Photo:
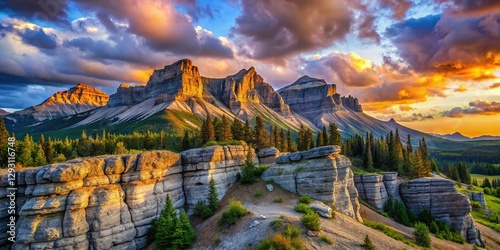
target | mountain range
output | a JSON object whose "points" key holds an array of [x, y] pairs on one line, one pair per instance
{"points": [[457, 136], [178, 97]]}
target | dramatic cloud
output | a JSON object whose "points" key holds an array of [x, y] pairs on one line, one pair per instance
{"points": [[494, 85], [398, 7], [472, 7], [348, 69], [55, 12], [39, 38], [280, 28], [405, 108], [465, 49], [478, 107]]}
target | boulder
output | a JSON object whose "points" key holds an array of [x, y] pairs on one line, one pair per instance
{"points": [[319, 152], [326, 178], [376, 189], [444, 202], [268, 155], [322, 209]]}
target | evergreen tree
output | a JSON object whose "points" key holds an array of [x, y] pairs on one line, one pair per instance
{"points": [[409, 148], [301, 138], [290, 145], [209, 133], [369, 160], [237, 129], [276, 138], [368, 244], [185, 141], [28, 148], [271, 136], [309, 139], [4, 137], [84, 135], [218, 132], [165, 226], [260, 134], [248, 134], [319, 139], [421, 234], [425, 154], [463, 173], [335, 138], [486, 183], [324, 133], [48, 148], [120, 148], [184, 233], [283, 144], [39, 159], [226, 129], [213, 197], [454, 174]]}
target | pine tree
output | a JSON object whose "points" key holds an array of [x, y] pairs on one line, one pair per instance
{"points": [[237, 129], [421, 234], [185, 141], [324, 133], [4, 137], [309, 140], [409, 148], [184, 233], [209, 134], [226, 129], [369, 159], [290, 145], [48, 148], [260, 134], [283, 144], [218, 132], [165, 226], [248, 134], [319, 139], [276, 137], [213, 197], [335, 138], [84, 135], [425, 154], [28, 148], [39, 159], [271, 136], [368, 244]]}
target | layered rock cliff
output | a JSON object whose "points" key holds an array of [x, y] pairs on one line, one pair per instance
{"points": [[444, 202], [108, 202], [78, 99], [180, 80], [376, 189], [321, 173]]}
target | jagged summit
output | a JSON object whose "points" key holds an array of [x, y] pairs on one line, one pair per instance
{"points": [[392, 120], [77, 99]]}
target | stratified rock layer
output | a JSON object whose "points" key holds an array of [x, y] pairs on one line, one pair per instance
{"points": [[108, 202], [444, 202], [375, 189], [321, 173]]}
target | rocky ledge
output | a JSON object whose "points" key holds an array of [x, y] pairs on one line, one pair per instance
{"points": [[108, 202], [321, 173], [376, 189], [445, 204]]}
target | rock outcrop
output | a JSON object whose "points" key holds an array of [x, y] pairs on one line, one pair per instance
{"points": [[78, 99], [376, 189], [321, 173], [108, 202], [268, 155], [479, 197], [180, 80], [444, 202]]}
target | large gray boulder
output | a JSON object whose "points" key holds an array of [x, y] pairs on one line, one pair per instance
{"points": [[268, 155], [325, 176]]}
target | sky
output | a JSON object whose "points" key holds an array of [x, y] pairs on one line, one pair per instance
{"points": [[432, 65]]}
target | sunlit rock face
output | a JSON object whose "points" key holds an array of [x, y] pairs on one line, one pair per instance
{"points": [[109, 202], [321, 173], [78, 99]]}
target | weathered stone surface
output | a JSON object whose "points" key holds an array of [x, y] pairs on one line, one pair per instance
{"points": [[375, 189], [478, 197], [328, 178], [322, 209], [444, 202], [268, 155], [108, 202], [318, 152]]}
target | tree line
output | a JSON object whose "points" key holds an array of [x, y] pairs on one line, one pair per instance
{"points": [[389, 154]]}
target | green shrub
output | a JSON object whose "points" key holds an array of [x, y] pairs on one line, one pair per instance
{"points": [[305, 199], [259, 193], [434, 228], [332, 206], [291, 231], [421, 234], [326, 239], [202, 210], [487, 191], [229, 217], [400, 214], [260, 169], [276, 224], [368, 244], [278, 200], [302, 208], [217, 240], [280, 241], [248, 170], [477, 206], [311, 221]]}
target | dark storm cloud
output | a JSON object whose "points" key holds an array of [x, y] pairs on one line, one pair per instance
{"points": [[39, 38], [53, 11], [281, 28]]}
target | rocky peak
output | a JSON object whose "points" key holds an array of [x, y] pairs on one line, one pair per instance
{"points": [[3, 112], [305, 80], [78, 99], [181, 67], [351, 103]]}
